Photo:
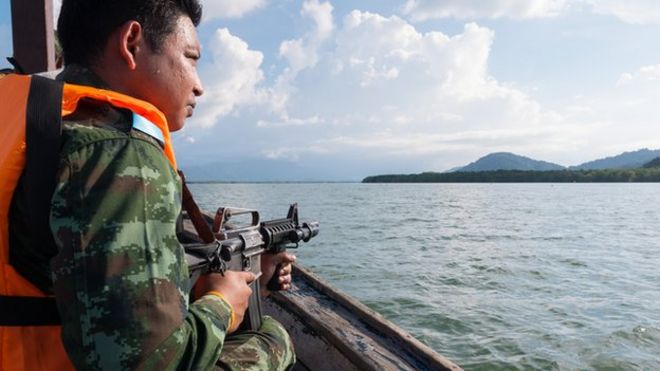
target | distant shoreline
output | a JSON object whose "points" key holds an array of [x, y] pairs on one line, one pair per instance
{"points": [[270, 182], [641, 175]]}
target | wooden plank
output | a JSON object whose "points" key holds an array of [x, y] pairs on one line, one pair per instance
{"points": [[313, 350], [33, 34]]}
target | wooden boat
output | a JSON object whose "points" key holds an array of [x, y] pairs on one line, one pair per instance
{"points": [[332, 331]]}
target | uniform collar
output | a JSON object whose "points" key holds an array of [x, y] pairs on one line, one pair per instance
{"points": [[81, 75]]}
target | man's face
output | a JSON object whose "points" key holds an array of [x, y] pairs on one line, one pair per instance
{"points": [[170, 79]]}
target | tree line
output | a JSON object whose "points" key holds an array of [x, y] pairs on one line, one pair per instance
{"points": [[647, 174]]}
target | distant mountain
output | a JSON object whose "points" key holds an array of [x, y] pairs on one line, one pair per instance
{"points": [[509, 161], [653, 163], [253, 170], [626, 160]]}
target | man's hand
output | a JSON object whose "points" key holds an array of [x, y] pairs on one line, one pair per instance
{"points": [[233, 286], [270, 263]]}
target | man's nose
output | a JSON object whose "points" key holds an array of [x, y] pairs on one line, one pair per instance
{"points": [[198, 89]]}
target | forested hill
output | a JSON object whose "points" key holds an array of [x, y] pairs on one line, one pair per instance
{"points": [[508, 161], [654, 163], [626, 160]]}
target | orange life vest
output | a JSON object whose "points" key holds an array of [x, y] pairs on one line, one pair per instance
{"points": [[34, 348]]}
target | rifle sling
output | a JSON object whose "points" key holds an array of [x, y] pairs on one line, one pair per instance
{"points": [[201, 226]]}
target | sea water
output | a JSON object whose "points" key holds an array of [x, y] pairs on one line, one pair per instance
{"points": [[492, 276]]}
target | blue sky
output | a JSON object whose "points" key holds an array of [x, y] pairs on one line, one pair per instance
{"points": [[365, 87]]}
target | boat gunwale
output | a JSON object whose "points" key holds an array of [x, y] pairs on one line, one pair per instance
{"points": [[403, 340]]}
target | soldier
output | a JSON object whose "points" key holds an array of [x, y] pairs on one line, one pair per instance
{"points": [[119, 273]]}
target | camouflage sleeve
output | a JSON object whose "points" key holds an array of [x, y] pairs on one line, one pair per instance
{"points": [[270, 348], [119, 281]]}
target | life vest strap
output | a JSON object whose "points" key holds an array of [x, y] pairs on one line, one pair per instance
{"points": [[43, 138], [28, 311]]}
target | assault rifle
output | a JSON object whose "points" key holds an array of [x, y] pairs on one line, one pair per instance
{"points": [[239, 248]]}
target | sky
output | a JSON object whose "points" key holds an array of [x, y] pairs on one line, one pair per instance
{"points": [[357, 88]]}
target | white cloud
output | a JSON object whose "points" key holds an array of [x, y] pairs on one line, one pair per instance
{"points": [[386, 87], [321, 13], [420, 10], [374, 50], [302, 53], [290, 122], [377, 87], [646, 73], [230, 8], [622, 118], [629, 11], [230, 80], [293, 153]]}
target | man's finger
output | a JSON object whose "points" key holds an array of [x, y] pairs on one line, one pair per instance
{"points": [[284, 258], [285, 270], [249, 277], [288, 258]]}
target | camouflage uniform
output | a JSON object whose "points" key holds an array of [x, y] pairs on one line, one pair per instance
{"points": [[119, 277]]}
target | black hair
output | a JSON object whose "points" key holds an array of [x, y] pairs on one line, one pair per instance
{"points": [[85, 26]]}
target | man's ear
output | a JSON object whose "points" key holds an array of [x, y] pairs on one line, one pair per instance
{"points": [[131, 39]]}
